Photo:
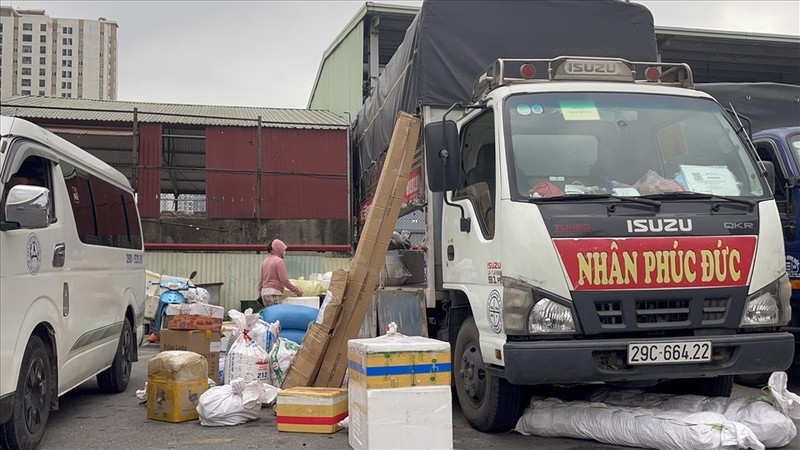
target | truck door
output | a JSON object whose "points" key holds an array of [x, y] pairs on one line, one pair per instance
{"points": [[472, 259], [786, 197]]}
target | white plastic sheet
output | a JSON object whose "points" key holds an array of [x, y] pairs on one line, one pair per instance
{"points": [[772, 427], [234, 403], [635, 427]]}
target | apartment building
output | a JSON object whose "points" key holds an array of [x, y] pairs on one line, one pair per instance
{"points": [[54, 57]]}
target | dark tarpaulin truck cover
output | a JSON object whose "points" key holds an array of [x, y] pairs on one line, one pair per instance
{"points": [[451, 42], [767, 105]]}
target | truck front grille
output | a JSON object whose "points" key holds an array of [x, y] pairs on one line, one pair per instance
{"points": [[660, 313]]}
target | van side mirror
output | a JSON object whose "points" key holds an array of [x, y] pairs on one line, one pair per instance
{"points": [[442, 156], [28, 207]]}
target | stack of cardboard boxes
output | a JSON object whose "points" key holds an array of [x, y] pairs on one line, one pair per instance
{"points": [[195, 327], [322, 359]]}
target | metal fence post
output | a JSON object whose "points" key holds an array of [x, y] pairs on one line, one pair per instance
{"points": [[258, 183], [135, 149]]}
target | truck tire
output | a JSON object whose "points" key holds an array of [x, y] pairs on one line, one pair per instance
{"points": [[720, 386], [115, 379], [489, 403], [32, 400], [756, 380]]}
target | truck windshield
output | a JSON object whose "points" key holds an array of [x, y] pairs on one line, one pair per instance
{"points": [[624, 145], [794, 144]]}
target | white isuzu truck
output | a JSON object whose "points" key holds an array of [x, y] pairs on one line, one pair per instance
{"points": [[589, 218]]}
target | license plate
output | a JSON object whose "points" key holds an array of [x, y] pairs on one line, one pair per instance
{"points": [[669, 352]]}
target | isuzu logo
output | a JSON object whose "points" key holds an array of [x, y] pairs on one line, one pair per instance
{"points": [[658, 225], [576, 67]]}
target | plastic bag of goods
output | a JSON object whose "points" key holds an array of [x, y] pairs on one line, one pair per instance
{"points": [[310, 288], [246, 359], [635, 427], [198, 294], [260, 332], [280, 358], [767, 422], [234, 403]]}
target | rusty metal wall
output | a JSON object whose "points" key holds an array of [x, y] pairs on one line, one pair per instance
{"points": [[238, 271]]}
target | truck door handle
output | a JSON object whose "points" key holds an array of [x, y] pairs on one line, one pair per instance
{"points": [[451, 253], [59, 254]]}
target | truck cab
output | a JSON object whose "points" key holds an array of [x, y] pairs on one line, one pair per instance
{"points": [[781, 146], [601, 221]]}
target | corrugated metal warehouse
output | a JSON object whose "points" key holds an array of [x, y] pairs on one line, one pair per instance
{"points": [[218, 182]]}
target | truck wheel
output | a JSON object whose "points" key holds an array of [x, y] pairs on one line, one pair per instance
{"points": [[32, 400], [756, 380], [115, 378], [489, 403], [720, 386]]}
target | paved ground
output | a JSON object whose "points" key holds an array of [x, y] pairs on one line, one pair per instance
{"points": [[90, 420]]}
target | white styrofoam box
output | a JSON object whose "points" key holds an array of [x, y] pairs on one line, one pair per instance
{"points": [[151, 283], [150, 307], [400, 418], [196, 309], [304, 301]]}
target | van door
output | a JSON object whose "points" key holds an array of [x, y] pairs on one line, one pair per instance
{"points": [[31, 269], [94, 274]]}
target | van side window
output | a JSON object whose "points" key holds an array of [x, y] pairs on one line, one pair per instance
{"points": [[104, 214]]}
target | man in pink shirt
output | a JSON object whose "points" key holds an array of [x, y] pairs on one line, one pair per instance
{"points": [[274, 277]]}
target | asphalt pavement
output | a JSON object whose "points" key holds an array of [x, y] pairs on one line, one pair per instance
{"points": [[88, 419]]}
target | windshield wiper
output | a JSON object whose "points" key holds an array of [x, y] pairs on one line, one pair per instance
{"points": [[655, 204], [677, 195]]}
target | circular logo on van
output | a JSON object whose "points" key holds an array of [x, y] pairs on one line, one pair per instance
{"points": [[494, 312], [34, 254]]}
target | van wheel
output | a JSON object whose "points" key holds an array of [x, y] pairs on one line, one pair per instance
{"points": [[32, 400], [115, 378], [489, 403]]}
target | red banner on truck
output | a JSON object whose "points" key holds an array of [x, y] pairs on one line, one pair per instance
{"points": [[657, 262]]}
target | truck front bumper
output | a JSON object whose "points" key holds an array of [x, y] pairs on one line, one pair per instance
{"points": [[590, 360]]}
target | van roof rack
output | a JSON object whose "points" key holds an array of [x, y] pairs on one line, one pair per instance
{"points": [[505, 72]]}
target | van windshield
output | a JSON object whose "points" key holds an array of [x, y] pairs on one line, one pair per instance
{"points": [[625, 145]]}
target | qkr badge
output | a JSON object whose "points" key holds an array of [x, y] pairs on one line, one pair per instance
{"points": [[34, 250]]}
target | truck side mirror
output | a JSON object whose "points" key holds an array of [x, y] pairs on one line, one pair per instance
{"points": [[442, 156], [769, 172]]}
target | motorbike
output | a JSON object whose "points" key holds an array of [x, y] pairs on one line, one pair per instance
{"points": [[172, 295]]}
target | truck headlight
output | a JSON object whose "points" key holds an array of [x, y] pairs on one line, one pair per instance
{"points": [[770, 305], [548, 316], [527, 310]]}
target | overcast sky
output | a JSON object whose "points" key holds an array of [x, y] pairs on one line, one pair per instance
{"points": [[266, 53]]}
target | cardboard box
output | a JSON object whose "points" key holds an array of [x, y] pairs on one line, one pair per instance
{"points": [[311, 410], [196, 309], [190, 322], [175, 382], [372, 247], [329, 313], [308, 359], [202, 342]]}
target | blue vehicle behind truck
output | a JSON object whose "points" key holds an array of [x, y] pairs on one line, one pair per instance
{"points": [[773, 113]]}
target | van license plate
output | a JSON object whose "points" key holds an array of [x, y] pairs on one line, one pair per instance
{"points": [[669, 352]]}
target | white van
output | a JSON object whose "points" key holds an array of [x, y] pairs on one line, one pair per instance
{"points": [[72, 277]]}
